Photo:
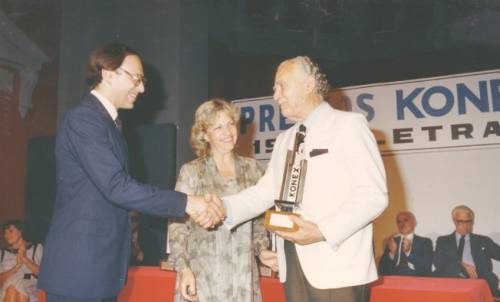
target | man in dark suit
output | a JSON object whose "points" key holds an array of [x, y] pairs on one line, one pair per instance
{"points": [[407, 253], [88, 245], [463, 254]]}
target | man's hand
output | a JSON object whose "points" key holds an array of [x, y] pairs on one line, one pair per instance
{"points": [[207, 211], [270, 259], [406, 245], [392, 245], [307, 233], [471, 270], [188, 285]]}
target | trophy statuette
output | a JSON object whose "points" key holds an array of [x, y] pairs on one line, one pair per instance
{"points": [[292, 187]]}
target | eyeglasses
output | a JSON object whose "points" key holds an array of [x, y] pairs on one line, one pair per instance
{"points": [[136, 79]]}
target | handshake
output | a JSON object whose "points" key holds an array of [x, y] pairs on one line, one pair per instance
{"points": [[207, 211]]}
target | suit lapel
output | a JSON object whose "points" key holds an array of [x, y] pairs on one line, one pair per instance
{"points": [[474, 248], [119, 144], [316, 136]]}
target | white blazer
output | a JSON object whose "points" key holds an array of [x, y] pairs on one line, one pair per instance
{"points": [[345, 190]]}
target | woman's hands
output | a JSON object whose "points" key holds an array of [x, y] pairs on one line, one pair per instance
{"points": [[270, 259], [21, 255], [188, 285]]}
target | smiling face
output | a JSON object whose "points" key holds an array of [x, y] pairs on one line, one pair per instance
{"points": [[406, 223], [126, 82], [292, 88], [222, 134]]}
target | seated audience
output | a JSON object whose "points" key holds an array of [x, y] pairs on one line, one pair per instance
{"points": [[136, 252], [148, 245], [463, 254], [405, 252], [19, 265]]}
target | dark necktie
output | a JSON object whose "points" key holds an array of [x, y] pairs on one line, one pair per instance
{"points": [[118, 124], [460, 250], [460, 253], [299, 137], [302, 133]]}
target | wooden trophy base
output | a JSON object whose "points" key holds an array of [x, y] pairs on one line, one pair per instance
{"points": [[279, 221]]}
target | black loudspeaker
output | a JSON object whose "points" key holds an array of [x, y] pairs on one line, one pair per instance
{"points": [[152, 160], [152, 154], [41, 187]]}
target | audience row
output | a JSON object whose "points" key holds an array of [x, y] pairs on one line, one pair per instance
{"points": [[461, 254]]}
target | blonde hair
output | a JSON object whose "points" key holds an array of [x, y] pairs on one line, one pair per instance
{"points": [[204, 117]]}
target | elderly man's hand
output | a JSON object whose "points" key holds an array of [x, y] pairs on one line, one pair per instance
{"points": [[206, 211], [307, 233], [471, 270], [392, 245]]}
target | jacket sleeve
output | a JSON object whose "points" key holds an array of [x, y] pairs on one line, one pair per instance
{"points": [[94, 149], [447, 264], [256, 199], [387, 265], [421, 258]]}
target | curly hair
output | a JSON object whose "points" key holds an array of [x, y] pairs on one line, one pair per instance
{"points": [[311, 68], [205, 117], [109, 57]]}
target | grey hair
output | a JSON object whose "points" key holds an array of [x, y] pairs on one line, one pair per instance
{"points": [[462, 208], [311, 68], [412, 216]]}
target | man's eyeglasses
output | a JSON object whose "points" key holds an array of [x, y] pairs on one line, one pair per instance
{"points": [[136, 79]]}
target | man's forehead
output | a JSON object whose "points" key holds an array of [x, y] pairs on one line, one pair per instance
{"points": [[285, 70], [462, 213], [133, 64], [403, 216]]}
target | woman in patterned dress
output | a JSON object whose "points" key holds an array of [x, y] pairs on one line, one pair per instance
{"points": [[217, 264]]}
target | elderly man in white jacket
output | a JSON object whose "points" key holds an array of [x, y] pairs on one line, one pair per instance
{"points": [[330, 257]]}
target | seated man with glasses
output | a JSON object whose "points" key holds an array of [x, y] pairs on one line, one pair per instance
{"points": [[463, 254]]}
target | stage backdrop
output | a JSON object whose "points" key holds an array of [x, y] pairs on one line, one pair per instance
{"points": [[439, 138]]}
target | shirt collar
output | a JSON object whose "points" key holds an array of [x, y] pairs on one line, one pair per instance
{"points": [[313, 116], [409, 236], [107, 104], [458, 236]]}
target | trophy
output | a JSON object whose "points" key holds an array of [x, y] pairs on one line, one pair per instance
{"points": [[292, 187]]}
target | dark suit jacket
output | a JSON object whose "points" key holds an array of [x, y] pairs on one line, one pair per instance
{"points": [[483, 249], [88, 243], [420, 256]]}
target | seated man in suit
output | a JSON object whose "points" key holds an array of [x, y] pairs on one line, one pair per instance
{"points": [[463, 254], [405, 252]]}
